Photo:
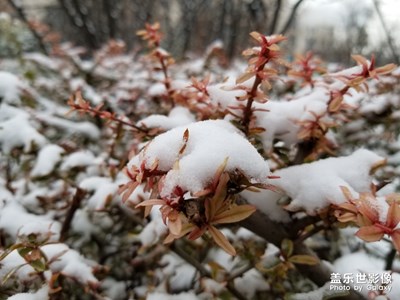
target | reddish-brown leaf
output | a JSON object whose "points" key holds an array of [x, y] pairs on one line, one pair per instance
{"points": [[303, 259], [151, 202], [234, 214], [370, 233], [221, 240], [393, 215]]}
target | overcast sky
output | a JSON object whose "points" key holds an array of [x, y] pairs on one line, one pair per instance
{"points": [[334, 12]]}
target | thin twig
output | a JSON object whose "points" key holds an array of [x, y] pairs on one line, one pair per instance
{"points": [[291, 17], [390, 259], [309, 233], [76, 201], [203, 271]]}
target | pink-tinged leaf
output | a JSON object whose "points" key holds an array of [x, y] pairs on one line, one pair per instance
{"points": [[370, 233], [385, 69], [219, 171], [345, 217], [396, 239], [221, 240], [174, 223], [170, 238], [335, 104], [274, 47], [128, 189], [151, 202], [393, 197], [196, 233], [303, 259], [347, 194], [363, 221], [185, 139], [154, 165], [186, 228], [202, 193], [393, 215], [361, 60], [377, 165], [234, 214], [209, 207], [349, 207], [367, 210], [257, 36], [277, 39], [244, 77]]}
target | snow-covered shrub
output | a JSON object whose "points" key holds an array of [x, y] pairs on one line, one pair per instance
{"points": [[127, 193]]}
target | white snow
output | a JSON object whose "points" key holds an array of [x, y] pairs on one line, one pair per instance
{"points": [[47, 160], [209, 144], [86, 129], [62, 259], [250, 283], [315, 185], [266, 202], [18, 132], [41, 294], [178, 116], [154, 230], [10, 88], [14, 220], [82, 158], [70, 263], [104, 191], [164, 296]]}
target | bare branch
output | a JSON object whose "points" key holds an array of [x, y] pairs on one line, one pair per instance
{"points": [[291, 17], [392, 46], [21, 14]]}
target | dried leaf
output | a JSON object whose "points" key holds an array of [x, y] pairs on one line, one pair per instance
{"points": [[257, 36], [370, 233], [151, 202], [39, 265], [185, 140], [127, 190], [234, 214], [287, 247], [196, 233], [303, 259], [367, 210], [11, 273], [361, 60], [349, 197], [345, 217], [335, 104], [244, 77], [221, 240], [174, 222], [385, 69]]}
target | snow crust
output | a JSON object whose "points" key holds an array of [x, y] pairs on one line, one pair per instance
{"points": [[209, 144], [178, 116], [47, 160], [104, 191], [18, 132], [10, 88], [40, 294], [315, 185]]}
